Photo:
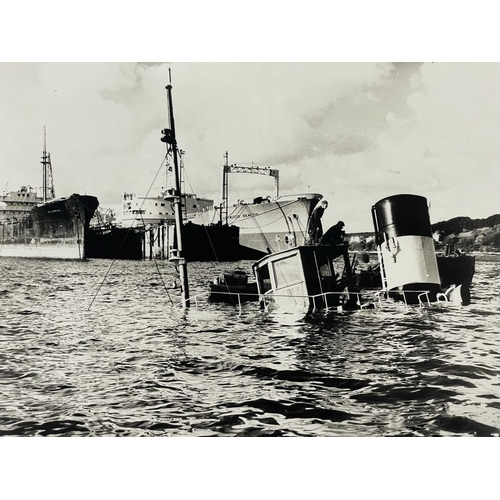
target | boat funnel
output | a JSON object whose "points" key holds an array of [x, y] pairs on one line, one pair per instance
{"points": [[405, 246]]}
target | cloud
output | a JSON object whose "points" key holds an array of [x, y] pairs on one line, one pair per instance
{"points": [[355, 132], [284, 115], [446, 148]]}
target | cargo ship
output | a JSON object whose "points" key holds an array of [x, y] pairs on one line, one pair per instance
{"points": [[45, 226], [139, 211], [266, 224]]}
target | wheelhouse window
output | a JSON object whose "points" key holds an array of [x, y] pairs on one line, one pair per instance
{"points": [[264, 278], [324, 265], [328, 268], [288, 271]]}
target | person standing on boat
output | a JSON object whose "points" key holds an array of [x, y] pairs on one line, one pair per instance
{"points": [[335, 235], [315, 228]]}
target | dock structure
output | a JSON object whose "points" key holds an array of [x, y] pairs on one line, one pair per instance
{"points": [[201, 243], [212, 242], [158, 241]]}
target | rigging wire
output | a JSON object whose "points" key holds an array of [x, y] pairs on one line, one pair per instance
{"points": [[156, 264], [303, 231], [207, 233], [203, 225], [129, 229], [284, 217]]}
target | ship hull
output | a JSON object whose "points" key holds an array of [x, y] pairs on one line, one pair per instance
{"points": [[111, 242], [269, 226], [57, 229], [210, 243]]}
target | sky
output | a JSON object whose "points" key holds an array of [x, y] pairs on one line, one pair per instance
{"points": [[353, 132]]}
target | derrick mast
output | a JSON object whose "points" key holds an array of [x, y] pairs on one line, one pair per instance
{"points": [[48, 179]]}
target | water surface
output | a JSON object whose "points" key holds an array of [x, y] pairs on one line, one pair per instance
{"points": [[93, 350]]}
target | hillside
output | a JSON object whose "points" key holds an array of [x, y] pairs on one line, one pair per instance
{"points": [[464, 233], [464, 224], [471, 235]]}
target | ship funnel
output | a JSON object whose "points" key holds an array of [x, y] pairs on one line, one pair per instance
{"points": [[405, 246]]}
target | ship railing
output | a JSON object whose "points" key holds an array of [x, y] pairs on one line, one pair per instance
{"points": [[343, 296], [191, 298], [322, 298], [426, 295], [423, 296]]}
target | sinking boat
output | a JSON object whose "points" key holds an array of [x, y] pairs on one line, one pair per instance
{"points": [[410, 270], [307, 277], [455, 267], [233, 288], [323, 276]]}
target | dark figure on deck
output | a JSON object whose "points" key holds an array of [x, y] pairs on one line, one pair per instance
{"points": [[335, 235], [315, 229]]}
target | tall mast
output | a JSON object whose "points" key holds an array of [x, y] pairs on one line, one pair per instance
{"points": [[169, 138], [48, 191], [44, 164]]}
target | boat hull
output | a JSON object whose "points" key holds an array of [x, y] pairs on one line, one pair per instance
{"points": [[111, 242], [306, 278], [267, 227], [233, 288], [210, 243], [456, 270], [56, 229], [233, 294]]}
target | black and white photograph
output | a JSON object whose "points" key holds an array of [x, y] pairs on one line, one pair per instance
{"points": [[249, 248]]}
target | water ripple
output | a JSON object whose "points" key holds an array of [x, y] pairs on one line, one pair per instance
{"points": [[132, 365]]}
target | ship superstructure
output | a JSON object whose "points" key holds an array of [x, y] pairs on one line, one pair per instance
{"points": [[15, 205], [139, 211]]}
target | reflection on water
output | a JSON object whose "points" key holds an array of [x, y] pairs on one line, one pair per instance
{"points": [[131, 364]]}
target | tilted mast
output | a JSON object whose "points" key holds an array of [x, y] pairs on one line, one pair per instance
{"points": [[170, 139]]}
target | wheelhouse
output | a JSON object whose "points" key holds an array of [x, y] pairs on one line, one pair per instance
{"points": [[309, 277]]}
